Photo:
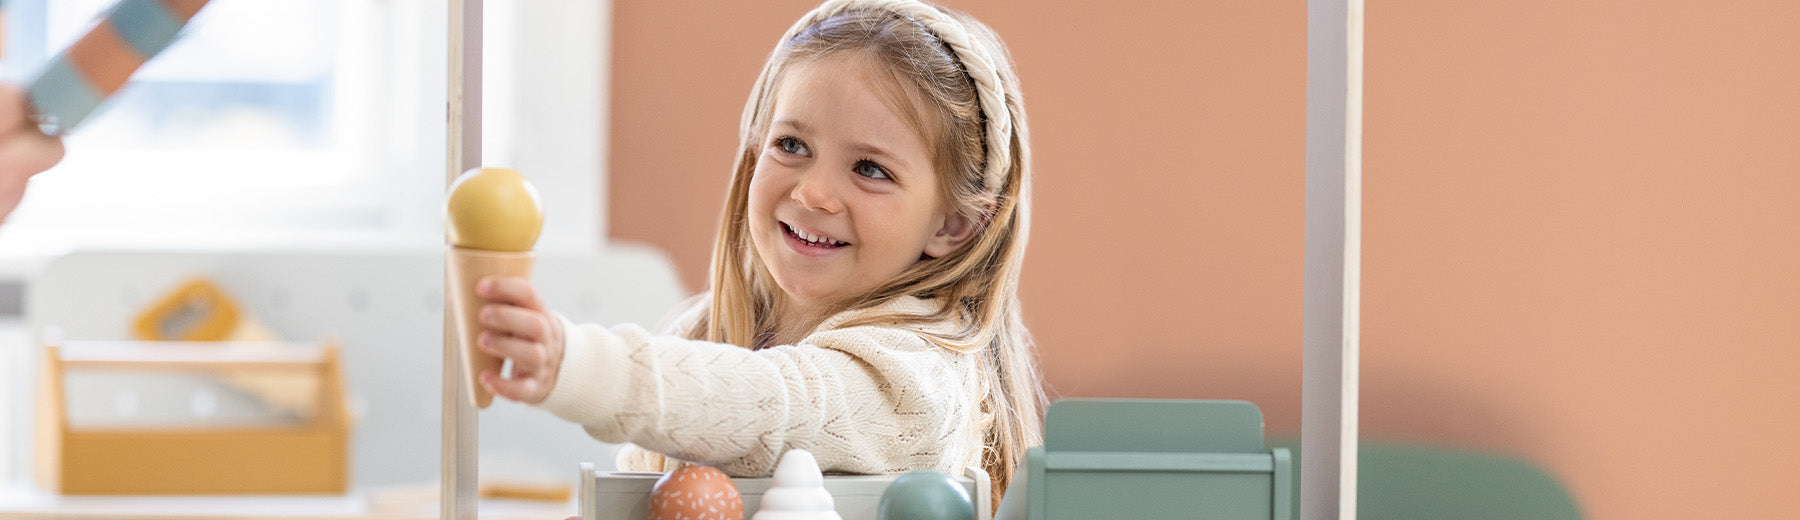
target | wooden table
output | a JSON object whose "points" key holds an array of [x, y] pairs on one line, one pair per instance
{"points": [[30, 503]]}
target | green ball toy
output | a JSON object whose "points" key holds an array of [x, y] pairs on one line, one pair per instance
{"points": [[925, 495]]}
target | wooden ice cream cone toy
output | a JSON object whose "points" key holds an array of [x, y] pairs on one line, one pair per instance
{"points": [[495, 219], [468, 266]]}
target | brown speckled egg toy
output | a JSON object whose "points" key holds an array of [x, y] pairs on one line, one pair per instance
{"points": [[696, 493]]}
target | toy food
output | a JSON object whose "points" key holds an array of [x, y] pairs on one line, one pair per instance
{"points": [[696, 493], [79, 79], [494, 219], [494, 209], [923, 495], [797, 492]]}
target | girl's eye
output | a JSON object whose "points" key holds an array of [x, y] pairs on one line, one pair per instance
{"points": [[791, 145], [871, 170]]}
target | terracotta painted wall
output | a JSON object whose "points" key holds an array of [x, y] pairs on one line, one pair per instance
{"points": [[1578, 235], [1581, 244]]}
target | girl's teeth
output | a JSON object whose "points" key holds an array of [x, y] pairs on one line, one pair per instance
{"points": [[809, 237]]}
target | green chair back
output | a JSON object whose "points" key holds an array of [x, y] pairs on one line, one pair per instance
{"points": [[1408, 482]]}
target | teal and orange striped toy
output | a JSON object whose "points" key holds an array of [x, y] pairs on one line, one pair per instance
{"points": [[80, 78]]}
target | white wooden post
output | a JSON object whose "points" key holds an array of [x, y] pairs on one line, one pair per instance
{"points": [[457, 498], [1334, 32]]}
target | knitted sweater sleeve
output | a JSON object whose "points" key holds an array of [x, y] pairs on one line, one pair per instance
{"points": [[862, 399]]}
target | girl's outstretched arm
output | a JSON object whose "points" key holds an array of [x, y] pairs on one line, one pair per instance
{"points": [[865, 399]]}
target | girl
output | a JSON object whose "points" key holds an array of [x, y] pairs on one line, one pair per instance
{"points": [[863, 295]]}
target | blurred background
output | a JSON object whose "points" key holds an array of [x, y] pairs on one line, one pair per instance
{"points": [[1578, 245]]}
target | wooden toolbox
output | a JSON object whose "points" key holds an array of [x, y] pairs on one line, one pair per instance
{"points": [[174, 420]]}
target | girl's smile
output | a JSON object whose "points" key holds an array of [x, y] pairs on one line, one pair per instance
{"points": [[812, 244]]}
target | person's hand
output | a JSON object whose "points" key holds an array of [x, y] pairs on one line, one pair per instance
{"points": [[518, 327], [24, 151]]}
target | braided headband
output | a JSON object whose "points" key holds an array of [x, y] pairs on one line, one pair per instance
{"points": [[977, 65]]}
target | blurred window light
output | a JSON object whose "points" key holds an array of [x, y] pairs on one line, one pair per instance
{"points": [[269, 122]]}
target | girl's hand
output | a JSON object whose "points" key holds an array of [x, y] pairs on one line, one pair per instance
{"points": [[517, 327]]}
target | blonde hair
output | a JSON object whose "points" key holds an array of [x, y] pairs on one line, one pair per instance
{"points": [[960, 74]]}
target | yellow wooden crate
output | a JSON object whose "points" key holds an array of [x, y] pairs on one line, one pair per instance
{"points": [[305, 458]]}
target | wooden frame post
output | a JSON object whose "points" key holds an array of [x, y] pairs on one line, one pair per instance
{"points": [[1334, 33], [458, 492]]}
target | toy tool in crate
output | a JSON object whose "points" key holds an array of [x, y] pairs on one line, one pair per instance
{"points": [[167, 417]]}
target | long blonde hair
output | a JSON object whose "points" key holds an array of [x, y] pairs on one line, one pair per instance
{"points": [[951, 62]]}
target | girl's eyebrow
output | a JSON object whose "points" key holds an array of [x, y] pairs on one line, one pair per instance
{"points": [[795, 124]]}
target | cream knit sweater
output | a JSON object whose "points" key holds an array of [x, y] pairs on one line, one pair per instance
{"points": [[865, 399]]}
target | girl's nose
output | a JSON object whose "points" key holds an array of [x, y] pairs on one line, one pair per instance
{"points": [[814, 190]]}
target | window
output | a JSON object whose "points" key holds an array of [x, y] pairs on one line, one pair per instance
{"points": [[270, 122]]}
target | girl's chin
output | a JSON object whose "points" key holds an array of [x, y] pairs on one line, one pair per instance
{"points": [[804, 296], [804, 299]]}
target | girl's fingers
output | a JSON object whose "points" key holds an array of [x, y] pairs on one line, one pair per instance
{"points": [[522, 389], [519, 328], [511, 290], [515, 321], [527, 356]]}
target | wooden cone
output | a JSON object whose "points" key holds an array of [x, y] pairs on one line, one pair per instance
{"points": [[466, 267]]}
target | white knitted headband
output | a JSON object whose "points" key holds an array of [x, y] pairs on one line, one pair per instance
{"points": [[974, 62]]}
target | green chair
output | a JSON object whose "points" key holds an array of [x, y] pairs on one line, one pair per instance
{"points": [[1145, 458], [1406, 482]]}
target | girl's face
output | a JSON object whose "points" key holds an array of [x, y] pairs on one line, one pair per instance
{"points": [[844, 196]]}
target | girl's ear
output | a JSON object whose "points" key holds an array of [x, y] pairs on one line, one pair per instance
{"points": [[956, 231]]}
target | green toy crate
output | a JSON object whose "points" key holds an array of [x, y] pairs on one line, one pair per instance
{"points": [[1146, 458]]}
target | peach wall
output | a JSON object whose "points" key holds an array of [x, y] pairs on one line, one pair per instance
{"points": [[1577, 248], [1580, 244]]}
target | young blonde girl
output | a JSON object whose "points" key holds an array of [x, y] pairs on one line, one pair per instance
{"points": [[863, 295]]}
